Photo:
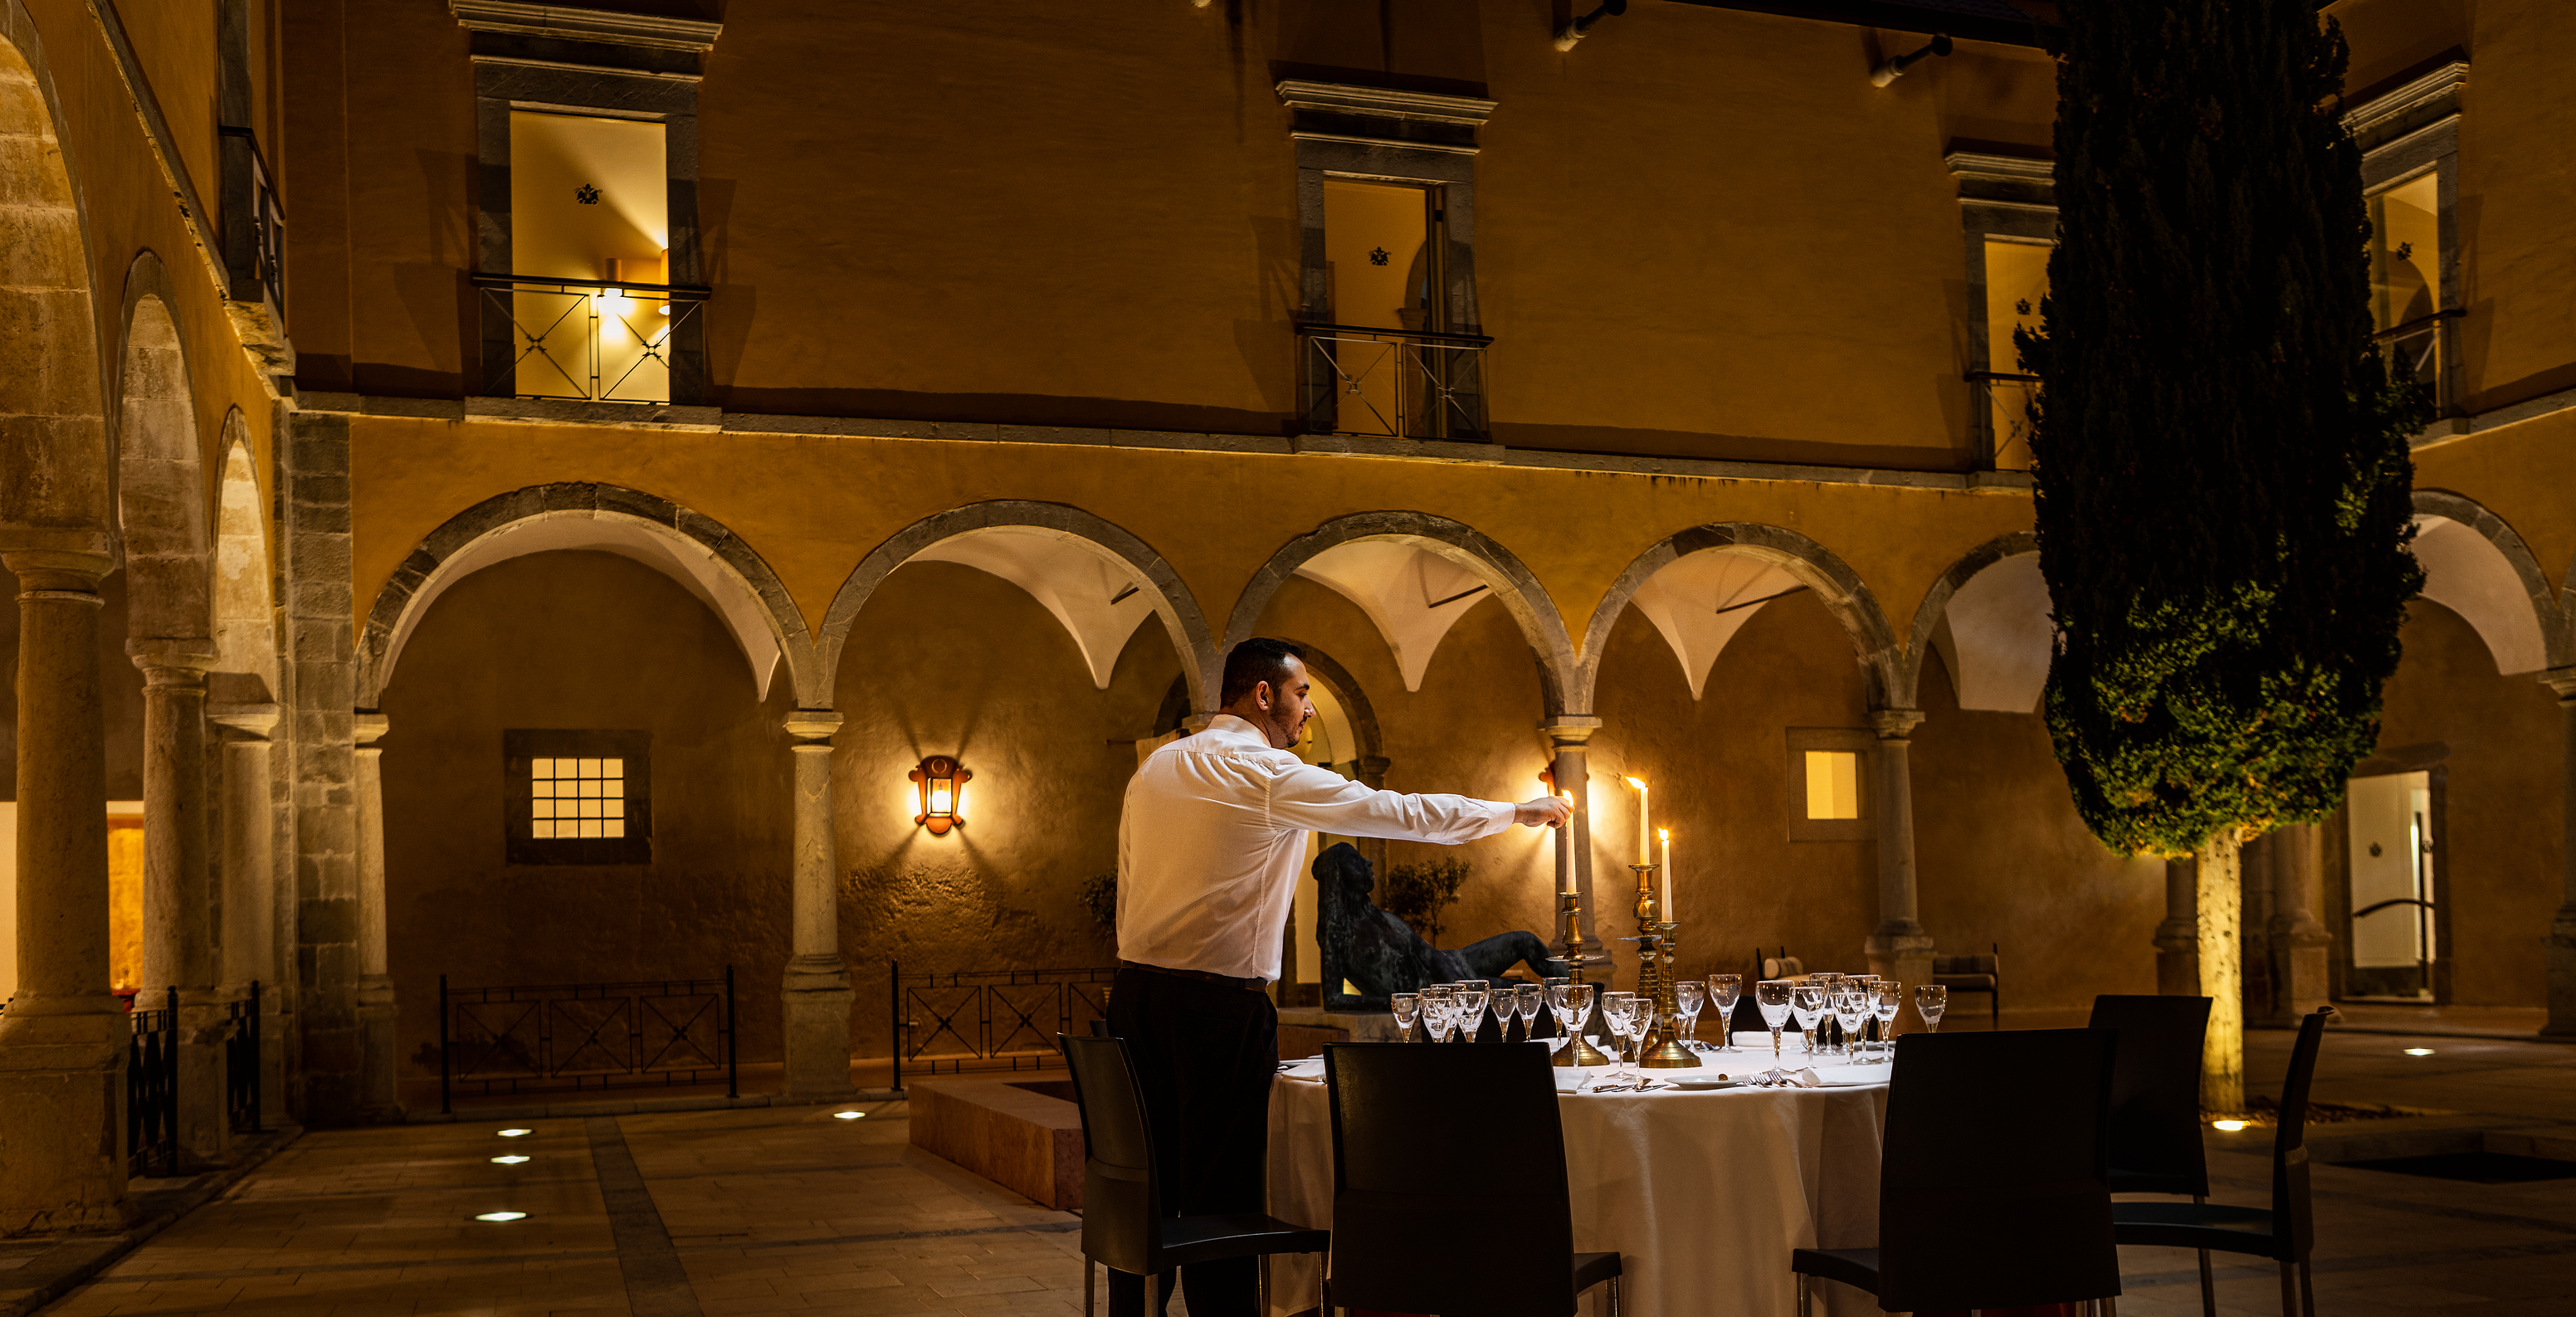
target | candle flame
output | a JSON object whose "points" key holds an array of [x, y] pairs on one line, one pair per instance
{"points": [[1665, 834], [1636, 783]]}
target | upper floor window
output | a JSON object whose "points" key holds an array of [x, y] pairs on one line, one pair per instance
{"points": [[2016, 281], [2008, 216], [2409, 136], [2405, 277]]}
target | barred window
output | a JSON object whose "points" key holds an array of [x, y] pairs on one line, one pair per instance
{"points": [[576, 797]]}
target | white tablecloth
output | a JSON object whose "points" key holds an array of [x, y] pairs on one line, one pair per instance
{"points": [[1704, 1194]]}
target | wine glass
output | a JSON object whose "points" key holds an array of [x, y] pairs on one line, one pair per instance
{"points": [[1932, 999], [1408, 1008], [1771, 997], [1807, 1006], [1885, 1003], [1471, 1000], [1851, 1006], [1439, 1015], [1723, 989], [1580, 998], [1641, 1021], [1689, 996], [1527, 998], [1615, 1010]]}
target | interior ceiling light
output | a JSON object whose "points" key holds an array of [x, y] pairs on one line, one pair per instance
{"points": [[2231, 1126], [500, 1216]]}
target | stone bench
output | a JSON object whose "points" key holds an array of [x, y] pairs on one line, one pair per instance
{"points": [[1020, 1131]]}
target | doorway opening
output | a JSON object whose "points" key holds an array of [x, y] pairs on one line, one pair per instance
{"points": [[2392, 935]]}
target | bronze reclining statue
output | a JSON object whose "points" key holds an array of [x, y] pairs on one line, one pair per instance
{"points": [[1380, 955]]}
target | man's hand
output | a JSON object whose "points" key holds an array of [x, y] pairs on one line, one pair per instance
{"points": [[1544, 812]]}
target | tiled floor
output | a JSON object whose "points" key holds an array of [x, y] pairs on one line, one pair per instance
{"points": [[789, 1210]]}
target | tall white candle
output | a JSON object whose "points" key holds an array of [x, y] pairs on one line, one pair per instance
{"points": [[1645, 828], [1665, 835], [1565, 856]]}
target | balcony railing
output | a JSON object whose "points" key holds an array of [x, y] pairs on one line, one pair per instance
{"points": [[1395, 383], [587, 340], [2422, 350], [1999, 417]]}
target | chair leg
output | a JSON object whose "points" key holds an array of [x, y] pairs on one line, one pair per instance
{"points": [[1806, 1297], [1261, 1285], [2208, 1287], [1088, 1277], [2289, 1289], [2307, 1290], [1614, 1296]]}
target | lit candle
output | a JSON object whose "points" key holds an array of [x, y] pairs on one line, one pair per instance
{"points": [[1645, 829], [1565, 857], [1665, 835]]}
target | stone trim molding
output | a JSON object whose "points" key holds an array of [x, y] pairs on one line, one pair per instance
{"points": [[1836, 585], [1201, 662], [1936, 602], [1383, 102], [2557, 631], [650, 31], [2379, 121], [1541, 623], [395, 600]]}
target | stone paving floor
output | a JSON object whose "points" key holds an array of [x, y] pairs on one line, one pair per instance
{"points": [[787, 1209]]}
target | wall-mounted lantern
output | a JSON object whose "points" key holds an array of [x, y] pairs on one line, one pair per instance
{"points": [[941, 784]]}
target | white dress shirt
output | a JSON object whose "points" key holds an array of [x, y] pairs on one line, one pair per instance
{"points": [[1211, 841]]}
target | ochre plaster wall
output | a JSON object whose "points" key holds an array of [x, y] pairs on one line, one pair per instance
{"points": [[2521, 473], [582, 640], [949, 660], [2501, 876]]}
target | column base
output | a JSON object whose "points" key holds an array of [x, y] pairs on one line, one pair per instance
{"points": [[2177, 959], [205, 1133], [2300, 954], [817, 1025], [379, 1067], [2562, 977], [1906, 958], [62, 1120]]}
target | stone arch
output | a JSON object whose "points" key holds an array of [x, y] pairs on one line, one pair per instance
{"points": [[245, 605], [161, 493], [1328, 671], [1989, 616], [1465, 548], [1809, 564], [706, 559], [56, 492], [1043, 548], [2476, 566]]}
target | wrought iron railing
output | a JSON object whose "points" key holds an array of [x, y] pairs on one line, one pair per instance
{"points": [[1000, 1019], [584, 1036], [2421, 350], [152, 1090], [254, 223], [585, 339], [241, 1062], [1396, 383], [1999, 416]]}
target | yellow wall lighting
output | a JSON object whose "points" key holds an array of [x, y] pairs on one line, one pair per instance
{"points": [[941, 786]]}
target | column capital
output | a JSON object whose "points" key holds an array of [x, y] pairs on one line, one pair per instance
{"points": [[246, 722], [44, 572], [812, 724], [368, 726], [2563, 681], [1569, 731], [181, 661], [1894, 724]]}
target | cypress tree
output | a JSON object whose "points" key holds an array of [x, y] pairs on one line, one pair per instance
{"points": [[2221, 456]]}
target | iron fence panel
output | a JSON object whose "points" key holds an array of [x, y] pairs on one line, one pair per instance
{"points": [[989, 1019], [581, 1036]]}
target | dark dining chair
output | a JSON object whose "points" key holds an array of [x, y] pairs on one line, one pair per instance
{"points": [[2284, 1232], [1975, 974], [2155, 1102], [1124, 1224], [1421, 1181], [1991, 1179]]}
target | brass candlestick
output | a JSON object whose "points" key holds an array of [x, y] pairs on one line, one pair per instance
{"points": [[1661, 1048], [1571, 949]]}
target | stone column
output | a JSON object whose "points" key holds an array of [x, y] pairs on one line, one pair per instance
{"points": [[378, 1065], [816, 998], [2562, 926], [178, 887], [63, 1038], [1569, 736], [2178, 937], [2300, 942], [1899, 949], [249, 887], [1372, 770]]}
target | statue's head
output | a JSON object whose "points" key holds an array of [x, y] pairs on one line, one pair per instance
{"points": [[1342, 868]]}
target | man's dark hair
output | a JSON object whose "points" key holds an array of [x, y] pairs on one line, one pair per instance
{"points": [[1253, 662]]}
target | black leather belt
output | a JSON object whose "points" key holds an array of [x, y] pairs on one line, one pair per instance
{"points": [[1248, 985]]}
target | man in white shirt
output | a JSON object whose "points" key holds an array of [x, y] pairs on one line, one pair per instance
{"points": [[1209, 846]]}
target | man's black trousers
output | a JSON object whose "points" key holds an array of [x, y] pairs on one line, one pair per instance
{"points": [[1206, 1054]]}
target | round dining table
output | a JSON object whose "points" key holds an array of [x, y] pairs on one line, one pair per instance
{"points": [[1703, 1193]]}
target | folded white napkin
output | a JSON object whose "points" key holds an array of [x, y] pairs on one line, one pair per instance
{"points": [[1310, 1068]]}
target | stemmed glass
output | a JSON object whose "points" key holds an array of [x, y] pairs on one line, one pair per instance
{"points": [[1851, 1006], [1932, 999], [1471, 999], [1641, 1021], [1408, 1008], [1723, 989], [1772, 999], [1885, 1002], [1573, 1004], [1439, 1015], [1527, 996], [1616, 1007], [1689, 996], [1807, 1004]]}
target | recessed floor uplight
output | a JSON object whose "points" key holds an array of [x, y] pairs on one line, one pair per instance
{"points": [[848, 1115], [512, 1160], [2231, 1126], [512, 1134], [2419, 1051], [501, 1216]]}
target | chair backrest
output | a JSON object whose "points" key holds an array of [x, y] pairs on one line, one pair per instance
{"points": [[1964, 964], [1991, 1189], [1449, 1189], [1121, 1199], [2292, 1222], [2155, 1090]]}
